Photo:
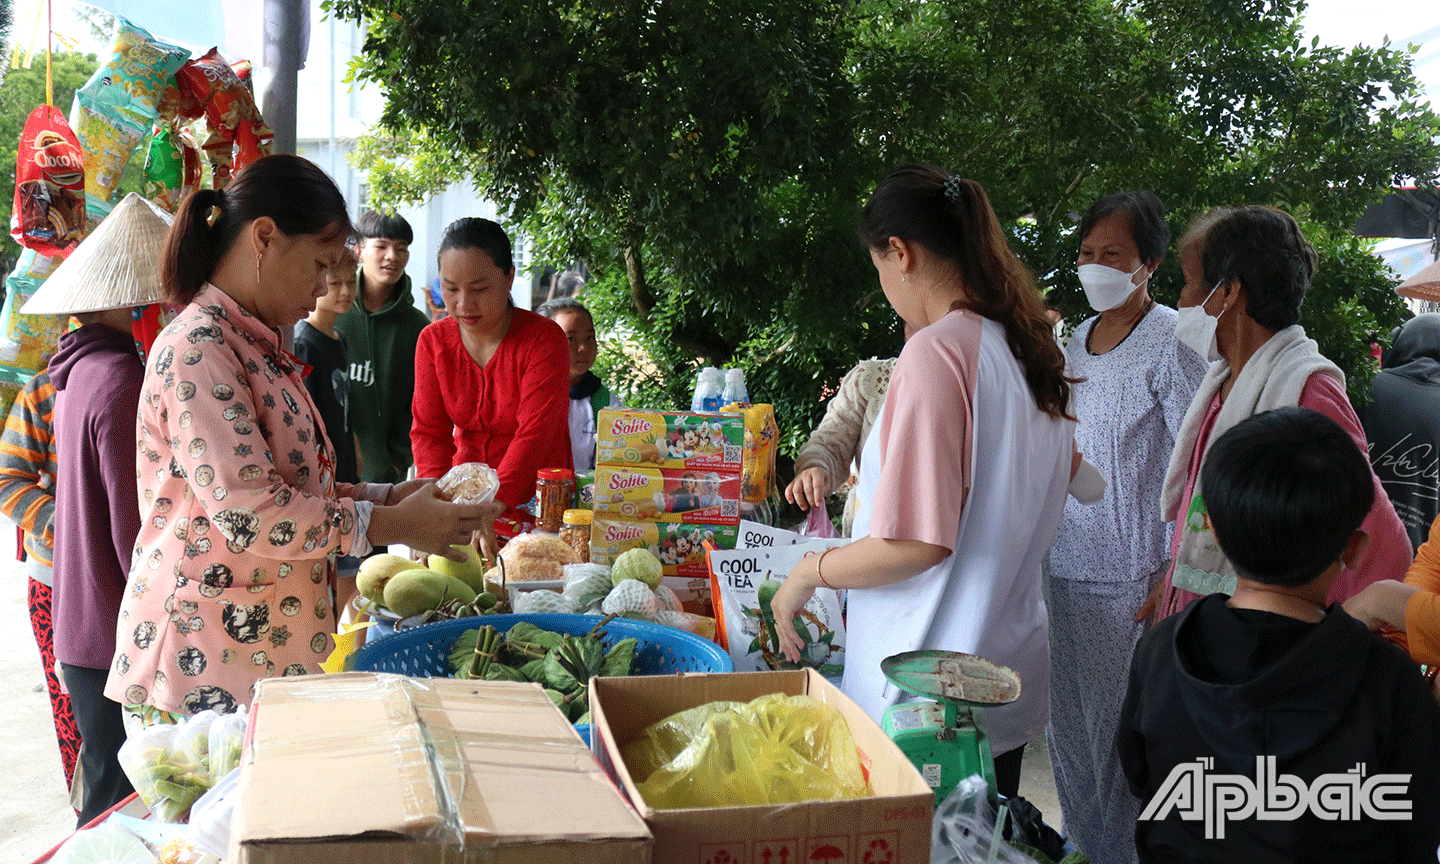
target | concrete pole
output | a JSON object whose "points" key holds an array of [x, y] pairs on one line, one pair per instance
{"points": [[280, 63]]}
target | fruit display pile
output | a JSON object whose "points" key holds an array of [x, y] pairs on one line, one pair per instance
{"points": [[562, 664], [407, 588], [630, 589]]}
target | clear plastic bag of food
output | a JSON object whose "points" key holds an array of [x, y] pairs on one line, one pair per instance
{"points": [[775, 749], [162, 766], [227, 738], [470, 483]]}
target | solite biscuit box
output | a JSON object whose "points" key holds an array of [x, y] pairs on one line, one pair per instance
{"points": [[668, 494], [669, 439], [678, 546]]}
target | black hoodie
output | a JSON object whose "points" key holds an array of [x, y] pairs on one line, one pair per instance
{"points": [[1229, 685], [1402, 424]]}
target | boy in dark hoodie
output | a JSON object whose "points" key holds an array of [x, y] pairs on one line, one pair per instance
{"points": [[1271, 673], [380, 331]]}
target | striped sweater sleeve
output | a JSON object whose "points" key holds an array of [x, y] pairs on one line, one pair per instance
{"points": [[27, 466]]}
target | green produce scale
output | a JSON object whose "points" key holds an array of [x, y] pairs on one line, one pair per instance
{"points": [[945, 739]]}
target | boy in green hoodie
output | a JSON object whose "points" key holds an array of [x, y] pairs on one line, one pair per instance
{"points": [[380, 331]]}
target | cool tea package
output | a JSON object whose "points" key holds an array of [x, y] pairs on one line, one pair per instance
{"points": [[742, 583]]}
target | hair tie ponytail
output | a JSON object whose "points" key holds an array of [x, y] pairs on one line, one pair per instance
{"points": [[953, 187]]}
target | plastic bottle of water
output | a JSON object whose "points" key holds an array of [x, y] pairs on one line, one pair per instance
{"points": [[735, 388], [707, 390]]}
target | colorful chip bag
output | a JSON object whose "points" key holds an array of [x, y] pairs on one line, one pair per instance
{"points": [[164, 171], [238, 135], [108, 139], [49, 212], [134, 76]]}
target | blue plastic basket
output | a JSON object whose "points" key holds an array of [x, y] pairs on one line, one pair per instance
{"points": [[424, 652]]}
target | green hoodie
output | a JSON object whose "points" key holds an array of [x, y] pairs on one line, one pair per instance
{"points": [[382, 380]]}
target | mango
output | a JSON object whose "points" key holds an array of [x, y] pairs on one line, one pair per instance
{"points": [[376, 570], [411, 592], [470, 571]]}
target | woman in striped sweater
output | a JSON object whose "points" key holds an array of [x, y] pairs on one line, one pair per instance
{"points": [[27, 497]]}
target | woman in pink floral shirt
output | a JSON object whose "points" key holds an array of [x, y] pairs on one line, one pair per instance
{"points": [[242, 519]]}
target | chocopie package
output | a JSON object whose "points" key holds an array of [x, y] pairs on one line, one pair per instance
{"points": [[49, 213]]}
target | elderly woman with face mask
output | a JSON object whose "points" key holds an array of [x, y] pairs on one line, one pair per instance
{"points": [[1136, 382], [1246, 273]]}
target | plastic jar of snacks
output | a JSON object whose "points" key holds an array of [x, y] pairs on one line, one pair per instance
{"points": [[576, 532], [555, 488]]}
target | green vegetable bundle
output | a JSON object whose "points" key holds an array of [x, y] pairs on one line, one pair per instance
{"points": [[560, 663]]}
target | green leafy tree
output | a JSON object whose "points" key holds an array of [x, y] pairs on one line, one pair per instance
{"points": [[708, 160]]}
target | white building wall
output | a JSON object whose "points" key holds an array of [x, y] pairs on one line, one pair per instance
{"points": [[332, 114]]}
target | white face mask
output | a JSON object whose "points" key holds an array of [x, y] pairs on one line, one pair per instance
{"points": [[1193, 327], [1105, 287]]}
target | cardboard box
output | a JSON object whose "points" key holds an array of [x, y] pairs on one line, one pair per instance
{"points": [[669, 439], [678, 546], [363, 769], [668, 495], [893, 826]]}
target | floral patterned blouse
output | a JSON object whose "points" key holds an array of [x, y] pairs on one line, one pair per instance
{"points": [[241, 518]]}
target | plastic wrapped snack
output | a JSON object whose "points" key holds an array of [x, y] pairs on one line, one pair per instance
{"points": [[546, 547], [775, 749], [109, 137], [165, 170], [134, 76], [238, 135], [49, 210], [470, 483]]}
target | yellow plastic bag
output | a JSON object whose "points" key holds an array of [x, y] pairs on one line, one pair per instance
{"points": [[776, 749]]}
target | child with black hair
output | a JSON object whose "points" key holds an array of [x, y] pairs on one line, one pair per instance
{"points": [[1272, 672]]}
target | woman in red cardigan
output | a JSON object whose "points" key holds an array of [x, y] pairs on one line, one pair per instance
{"points": [[492, 382]]}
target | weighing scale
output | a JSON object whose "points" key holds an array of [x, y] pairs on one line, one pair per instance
{"points": [[946, 739]]}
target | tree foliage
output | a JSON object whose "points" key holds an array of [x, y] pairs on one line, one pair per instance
{"points": [[708, 160]]}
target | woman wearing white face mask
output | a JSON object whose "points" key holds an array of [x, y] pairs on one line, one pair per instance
{"points": [[1136, 383], [1246, 273]]}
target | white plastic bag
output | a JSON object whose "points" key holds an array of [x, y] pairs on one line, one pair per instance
{"points": [[106, 843], [965, 831]]}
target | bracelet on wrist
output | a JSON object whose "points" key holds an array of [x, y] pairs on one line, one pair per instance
{"points": [[818, 574]]}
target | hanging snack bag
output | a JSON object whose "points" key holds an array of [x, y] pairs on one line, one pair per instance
{"points": [[230, 113], [108, 138], [742, 584], [164, 170], [134, 76], [112, 111], [49, 213]]}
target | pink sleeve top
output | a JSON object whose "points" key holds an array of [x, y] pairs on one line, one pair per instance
{"points": [[926, 434], [240, 519]]}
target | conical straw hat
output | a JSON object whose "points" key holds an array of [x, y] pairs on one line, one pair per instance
{"points": [[117, 266]]}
